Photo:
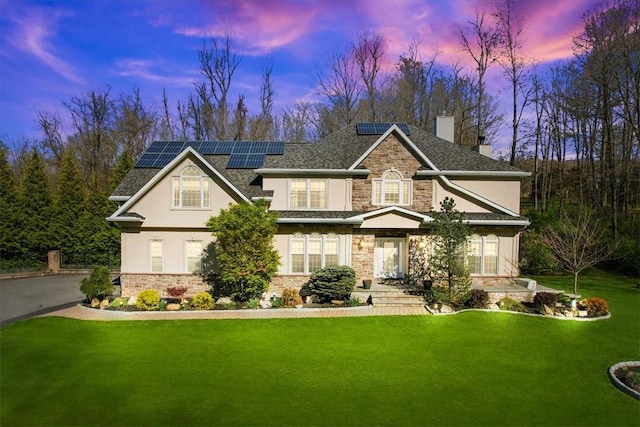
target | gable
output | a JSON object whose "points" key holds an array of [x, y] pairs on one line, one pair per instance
{"points": [[392, 220]]}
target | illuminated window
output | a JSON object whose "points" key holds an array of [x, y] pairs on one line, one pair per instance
{"points": [[191, 189], [482, 255], [311, 252], [308, 193], [391, 189]]}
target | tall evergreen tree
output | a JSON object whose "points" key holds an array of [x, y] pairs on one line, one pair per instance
{"points": [[69, 208], [123, 166], [9, 236], [37, 205], [101, 239]]}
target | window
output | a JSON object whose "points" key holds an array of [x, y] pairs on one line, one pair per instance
{"points": [[391, 189], [308, 193], [194, 256], [482, 255], [312, 252], [156, 256], [191, 189]]}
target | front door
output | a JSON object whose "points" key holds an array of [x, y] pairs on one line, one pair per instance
{"points": [[389, 260]]}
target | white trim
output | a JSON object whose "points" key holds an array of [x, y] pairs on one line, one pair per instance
{"points": [[114, 218], [430, 164], [483, 240], [186, 255], [265, 198], [308, 206], [151, 242], [516, 222], [394, 208], [306, 238], [165, 171], [518, 174], [119, 198], [318, 220], [379, 184], [290, 172]]}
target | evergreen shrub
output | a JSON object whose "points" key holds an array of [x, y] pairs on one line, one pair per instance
{"points": [[202, 301], [98, 284], [478, 298], [291, 298], [332, 283], [148, 300], [544, 298]]}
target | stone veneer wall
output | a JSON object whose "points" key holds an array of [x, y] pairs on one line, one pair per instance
{"points": [[362, 253], [132, 284], [391, 154]]}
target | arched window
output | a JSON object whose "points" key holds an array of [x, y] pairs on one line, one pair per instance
{"points": [[191, 189], [391, 189]]}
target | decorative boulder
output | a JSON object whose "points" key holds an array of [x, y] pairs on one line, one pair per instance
{"points": [[104, 303], [174, 306], [224, 300], [582, 313], [547, 311], [337, 302], [95, 302], [446, 309], [266, 303], [559, 315], [131, 301], [567, 313], [494, 307]]}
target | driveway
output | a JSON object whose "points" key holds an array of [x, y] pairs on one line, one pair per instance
{"points": [[29, 296]]}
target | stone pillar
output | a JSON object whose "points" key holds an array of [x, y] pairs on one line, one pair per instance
{"points": [[54, 261]]}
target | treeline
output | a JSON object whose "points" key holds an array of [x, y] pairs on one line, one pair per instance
{"points": [[574, 127]]}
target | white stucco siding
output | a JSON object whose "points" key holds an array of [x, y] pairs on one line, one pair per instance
{"points": [[503, 192], [463, 202], [391, 221], [136, 250], [156, 205]]}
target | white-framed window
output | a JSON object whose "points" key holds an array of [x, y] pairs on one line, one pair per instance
{"points": [[392, 189], [193, 250], [191, 189], [311, 252], [482, 254], [308, 193], [156, 256]]}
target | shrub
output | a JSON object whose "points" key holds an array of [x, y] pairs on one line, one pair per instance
{"points": [[478, 298], [333, 283], [148, 300], [253, 303], [202, 301], [276, 302], [595, 306], [544, 298], [291, 298], [118, 302], [509, 304], [98, 284], [354, 302], [177, 292]]}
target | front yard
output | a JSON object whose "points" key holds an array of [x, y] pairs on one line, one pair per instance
{"points": [[473, 368]]}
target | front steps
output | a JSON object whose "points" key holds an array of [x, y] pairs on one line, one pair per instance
{"points": [[389, 296]]}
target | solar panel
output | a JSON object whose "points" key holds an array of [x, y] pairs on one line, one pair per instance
{"points": [[368, 128], [156, 147], [173, 147], [147, 160], [275, 147], [245, 161]]}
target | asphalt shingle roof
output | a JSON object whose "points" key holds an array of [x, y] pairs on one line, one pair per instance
{"points": [[336, 151]]}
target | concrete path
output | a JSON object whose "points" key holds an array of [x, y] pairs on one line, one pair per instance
{"points": [[86, 313], [28, 296]]}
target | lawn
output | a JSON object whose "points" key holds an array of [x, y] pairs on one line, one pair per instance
{"points": [[472, 368]]}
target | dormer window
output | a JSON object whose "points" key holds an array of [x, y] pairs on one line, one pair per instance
{"points": [[191, 189], [392, 189]]}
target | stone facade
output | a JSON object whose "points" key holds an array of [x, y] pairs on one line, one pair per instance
{"points": [[391, 154], [132, 284]]}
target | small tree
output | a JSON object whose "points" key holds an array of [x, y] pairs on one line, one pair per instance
{"points": [[98, 284], [243, 248], [578, 241], [448, 259]]}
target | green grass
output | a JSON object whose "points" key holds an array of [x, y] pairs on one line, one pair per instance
{"points": [[473, 368]]}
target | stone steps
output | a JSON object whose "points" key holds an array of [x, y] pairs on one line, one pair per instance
{"points": [[389, 298]]}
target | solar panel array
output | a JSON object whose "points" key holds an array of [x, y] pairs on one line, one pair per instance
{"points": [[365, 128], [242, 154]]}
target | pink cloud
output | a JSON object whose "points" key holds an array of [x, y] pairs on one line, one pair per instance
{"points": [[33, 34], [144, 69]]}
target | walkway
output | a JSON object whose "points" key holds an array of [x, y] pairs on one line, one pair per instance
{"points": [[86, 313]]}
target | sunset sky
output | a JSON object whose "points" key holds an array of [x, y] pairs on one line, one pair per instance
{"points": [[53, 50]]}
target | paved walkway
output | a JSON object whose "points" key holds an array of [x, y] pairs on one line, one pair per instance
{"points": [[86, 313]]}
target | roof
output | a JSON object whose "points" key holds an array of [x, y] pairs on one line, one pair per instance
{"points": [[339, 152]]}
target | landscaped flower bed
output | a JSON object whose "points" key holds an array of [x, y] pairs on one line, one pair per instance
{"points": [[625, 376]]}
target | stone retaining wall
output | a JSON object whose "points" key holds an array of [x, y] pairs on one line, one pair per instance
{"points": [[132, 284]]}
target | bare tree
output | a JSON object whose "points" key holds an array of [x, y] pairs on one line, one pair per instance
{"points": [[135, 124], [297, 122], [578, 242], [481, 40], [262, 125], [218, 63], [368, 53], [510, 28], [52, 143]]}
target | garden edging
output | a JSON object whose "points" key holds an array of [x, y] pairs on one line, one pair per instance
{"points": [[578, 319], [619, 384]]}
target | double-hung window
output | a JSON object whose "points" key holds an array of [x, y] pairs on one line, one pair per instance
{"points": [[156, 256], [311, 252], [482, 254], [308, 193], [191, 189], [392, 189], [194, 256]]}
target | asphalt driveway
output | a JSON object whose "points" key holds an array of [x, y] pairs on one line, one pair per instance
{"points": [[30, 296]]}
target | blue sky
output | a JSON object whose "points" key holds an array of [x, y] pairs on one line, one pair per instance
{"points": [[53, 50]]}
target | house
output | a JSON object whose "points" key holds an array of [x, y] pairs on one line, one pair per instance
{"points": [[356, 197]]}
